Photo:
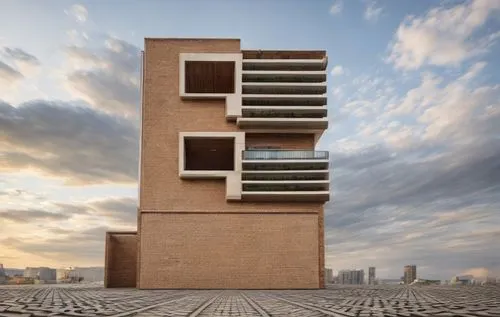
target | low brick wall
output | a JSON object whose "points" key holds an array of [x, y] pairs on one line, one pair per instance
{"points": [[227, 250], [121, 259]]}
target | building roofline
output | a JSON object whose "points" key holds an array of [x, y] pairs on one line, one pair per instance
{"points": [[121, 232], [190, 39]]}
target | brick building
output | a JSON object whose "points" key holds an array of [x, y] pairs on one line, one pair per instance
{"points": [[231, 188], [371, 275], [410, 273]]}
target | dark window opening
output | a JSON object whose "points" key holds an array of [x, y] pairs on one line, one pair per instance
{"points": [[209, 77], [209, 154]]}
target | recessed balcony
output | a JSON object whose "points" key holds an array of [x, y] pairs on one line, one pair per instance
{"points": [[282, 123], [286, 196], [285, 64], [280, 111], [285, 175], [289, 185], [283, 117], [290, 175], [284, 160], [282, 99], [284, 88], [286, 76]]}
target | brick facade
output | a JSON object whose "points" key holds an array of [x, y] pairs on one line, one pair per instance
{"points": [[121, 259], [189, 236], [221, 250]]}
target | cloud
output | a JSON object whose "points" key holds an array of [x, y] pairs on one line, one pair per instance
{"points": [[64, 140], [73, 233], [338, 70], [19, 55], [8, 75], [481, 272], [444, 36], [372, 11], [122, 209], [108, 78], [80, 247], [336, 7], [103, 90], [454, 110], [12, 192], [420, 182], [78, 12], [21, 65], [77, 37], [119, 211], [31, 215]]}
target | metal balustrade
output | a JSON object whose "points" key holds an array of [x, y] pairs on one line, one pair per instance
{"points": [[284, 155]]}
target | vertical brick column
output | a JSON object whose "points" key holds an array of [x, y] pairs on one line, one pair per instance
{"points": [[321, 238]]}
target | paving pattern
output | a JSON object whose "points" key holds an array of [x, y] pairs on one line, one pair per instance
{"points": [[339, 301]]}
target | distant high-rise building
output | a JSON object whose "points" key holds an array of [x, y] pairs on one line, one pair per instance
{"points": [[40, 273], [90, 274], [31, 272], [328, 275], [3, 276], [410, 273], [371, 275], [353, 277]]}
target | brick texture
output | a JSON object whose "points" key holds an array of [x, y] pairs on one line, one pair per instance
{"points": [[189, 235], [121, 260], [321, 246], [165, 114], [283, 141], [251, 251]]}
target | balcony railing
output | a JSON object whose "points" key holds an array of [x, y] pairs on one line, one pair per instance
{"points": [[285, 155]]}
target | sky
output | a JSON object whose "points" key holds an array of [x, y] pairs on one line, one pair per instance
{"points": [[414, 110]]}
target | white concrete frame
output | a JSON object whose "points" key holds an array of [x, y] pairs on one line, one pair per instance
{"points": [[233, 178], [233, 101]]}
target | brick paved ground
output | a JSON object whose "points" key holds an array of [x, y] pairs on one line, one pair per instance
{"points": [[88, 300]]}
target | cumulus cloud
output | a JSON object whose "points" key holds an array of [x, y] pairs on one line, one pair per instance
{"points": [[121, 209], [78, 12], [116, 210], [419, 183], [18, 54], [456, 110], [80, 248], [8, 75], [372, 11], [336, 7], [77, 144], [77, 37], [30, 215], [426, 212], [13, 193], [338, 70], [72, 232], [446, 35], [20, 65], [108, 78]]}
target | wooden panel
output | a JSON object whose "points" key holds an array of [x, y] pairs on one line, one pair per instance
{"points": [[209, 77], [209, 154]]}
